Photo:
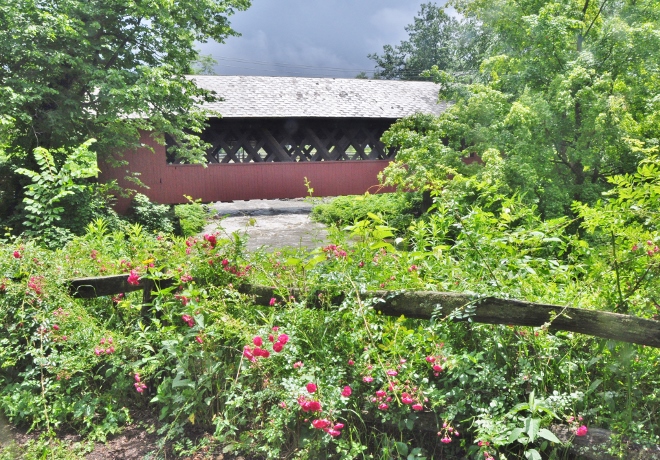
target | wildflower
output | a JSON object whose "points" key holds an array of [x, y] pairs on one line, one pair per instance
{"points": [[338, 426], [320, 424], [277, 347], [224, 262], [257, 341], [261, 352], [276, 328], [351, 362], [297, 365], [445, 440], [137, 377], [283, 339], [430, 359], [392, 372], [380, 393], [346, 392], [417, 407], [383, 406], [185, 278], [211, 239], [272, 301], [133, 278], [582, 431], [367, 379], [17, 255], [247, 353], [283, 405], [406, 399], [361, 264], [309, 406], [97, 351], [437, 368], [36, 284], [139, 387], [56, 327], [311, 387], [110, 350], [199, 340], [334, 433], [412, 268], [188, 320]]}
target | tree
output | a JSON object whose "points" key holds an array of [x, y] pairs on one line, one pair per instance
{"points": [[72, 70], [568, 98], [435, 39], [204, 65]]}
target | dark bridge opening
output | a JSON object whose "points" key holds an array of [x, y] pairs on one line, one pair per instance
{"points": [[262, 140]]}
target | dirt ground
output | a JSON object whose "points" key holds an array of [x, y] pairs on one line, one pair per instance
{"points": [[137, 441], [269, 223]]}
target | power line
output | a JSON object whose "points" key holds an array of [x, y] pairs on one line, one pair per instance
{"points": [[317, 70]]}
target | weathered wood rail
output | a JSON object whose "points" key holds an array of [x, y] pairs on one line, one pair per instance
{"points": [[424, 304]]}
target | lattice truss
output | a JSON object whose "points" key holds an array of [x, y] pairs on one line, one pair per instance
{"points": [[277, 140]]}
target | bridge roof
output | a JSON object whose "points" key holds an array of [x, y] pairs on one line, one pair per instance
{"points": [[284, 97]]}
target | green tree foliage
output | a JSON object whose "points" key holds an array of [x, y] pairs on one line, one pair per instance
{"points": [[51, 184], [71, 70], [435, 39], [568, 99]]}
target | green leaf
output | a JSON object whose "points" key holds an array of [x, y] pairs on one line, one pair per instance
{"points": [[532, 426], [515, 434], [549, 435], [532, 454], [402, 448]]}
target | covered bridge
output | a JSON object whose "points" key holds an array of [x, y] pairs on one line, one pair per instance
{"points": [[277, 131]]}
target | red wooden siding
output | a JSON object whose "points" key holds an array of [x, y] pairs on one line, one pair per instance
{"points": [[241, 181]]}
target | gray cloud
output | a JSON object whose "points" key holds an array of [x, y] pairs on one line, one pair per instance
{"points": [[329, 38]]}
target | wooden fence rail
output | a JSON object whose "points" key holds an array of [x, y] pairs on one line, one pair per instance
{"points": [[424, 304]]}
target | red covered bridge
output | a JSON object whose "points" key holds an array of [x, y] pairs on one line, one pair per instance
{"points": [[275, 131]]}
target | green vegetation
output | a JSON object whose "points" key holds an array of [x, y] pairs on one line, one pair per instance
{"points": [[342, 380], [557, 98], [397, 209], [74, 70], [192, 216]]}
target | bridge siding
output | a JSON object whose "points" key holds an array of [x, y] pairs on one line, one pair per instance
{"points": [[241, 181]]}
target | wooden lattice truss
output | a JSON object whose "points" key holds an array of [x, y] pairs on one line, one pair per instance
{"points": [[249, 140]]}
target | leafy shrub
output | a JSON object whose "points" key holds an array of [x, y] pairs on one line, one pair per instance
{"points": [[153, 217], [192, 216], [43, 205], [397, 209]]}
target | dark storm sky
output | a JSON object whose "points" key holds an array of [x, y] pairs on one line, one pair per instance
{"points": [[313, 38]]}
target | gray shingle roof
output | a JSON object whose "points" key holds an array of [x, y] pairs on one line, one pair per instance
{"points": [[248, 96]]}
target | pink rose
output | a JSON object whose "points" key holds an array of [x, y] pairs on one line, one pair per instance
{"points": [[133, 278], [311, 387], [582, 431]]}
